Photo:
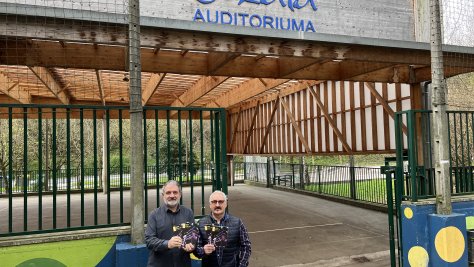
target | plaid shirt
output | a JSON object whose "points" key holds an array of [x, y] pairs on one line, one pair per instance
{"points": [[245, 244]]}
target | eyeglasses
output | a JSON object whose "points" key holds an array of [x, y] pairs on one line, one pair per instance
{"points": [[214, 202]]}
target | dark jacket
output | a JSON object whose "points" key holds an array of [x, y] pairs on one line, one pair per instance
{"points": [[237, 251], [159, 230]]}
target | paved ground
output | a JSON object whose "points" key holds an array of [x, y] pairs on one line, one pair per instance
{"points": [[286, 229]]}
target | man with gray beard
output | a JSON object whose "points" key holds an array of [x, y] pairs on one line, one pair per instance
{"points": [[165, 249]]}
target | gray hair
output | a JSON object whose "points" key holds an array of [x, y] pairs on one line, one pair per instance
{"points": [[170, 182], [218, 192]]}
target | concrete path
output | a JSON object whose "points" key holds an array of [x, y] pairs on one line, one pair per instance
{"points": [[286, 229], [289, 229]]}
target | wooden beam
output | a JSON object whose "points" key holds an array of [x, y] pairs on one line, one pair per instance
{"points": [[236, 124], [79, 55], [295, 125], [151, 86], [267, 129], [218, 60], [13, 90], [47, 78], [329, 120], [245, 91], [101, 89], [300, 85], [199, 89], [384, 104], [252, 125]]}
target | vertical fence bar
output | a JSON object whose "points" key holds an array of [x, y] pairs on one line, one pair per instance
{"points": [[94, 122], [456, 154], [157, 160], [413, 162], [218, 153], [180, 162], [145, 161], [168, 145], [223, 140], [40, 170], [107, 122], [191, 157], [467, 163], [120, 124], [201, 137], [81, 126], [10, 169], [213, 151], [25, 169], [55, 171], [68, 164]]}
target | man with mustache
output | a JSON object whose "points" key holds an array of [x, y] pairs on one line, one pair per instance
{"points": [[237, 250], [164, 248]]}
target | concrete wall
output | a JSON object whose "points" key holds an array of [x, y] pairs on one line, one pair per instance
{"points": [[388, 19]]}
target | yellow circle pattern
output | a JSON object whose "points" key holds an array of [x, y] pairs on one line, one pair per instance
{"points": [[418, 257], [408, 213], [449, 243]]}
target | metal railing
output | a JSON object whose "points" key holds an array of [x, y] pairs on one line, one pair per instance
{"points": [[358, 183], [52, 157], [414, 153]]}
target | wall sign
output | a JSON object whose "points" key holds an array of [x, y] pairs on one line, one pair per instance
{"points": [[208, 15]]}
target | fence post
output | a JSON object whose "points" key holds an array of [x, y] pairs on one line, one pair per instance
{"points": [[245, 171], [352, 177], [293, 175], [319, 179], [274, 170], [268, 172]]}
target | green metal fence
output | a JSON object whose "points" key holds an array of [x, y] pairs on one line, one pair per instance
{"points": [[55, 176], [416, 169], [358, 183]]}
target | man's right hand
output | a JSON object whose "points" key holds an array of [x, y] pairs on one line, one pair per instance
{"points": [[175, 242], [208, 249]]}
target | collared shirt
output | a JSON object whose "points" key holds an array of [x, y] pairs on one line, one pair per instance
{"points": [[244, 243], [159, 230]]}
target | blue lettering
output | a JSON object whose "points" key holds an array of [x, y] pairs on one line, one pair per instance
{"points": [[259, 21], [243, 16], [268, 21], [292, 4], [253, 20], [249, 1], [310, 26], [288, 24], [297, 4], [209, 17], [229, 16], [297, 27], [198, 16]]}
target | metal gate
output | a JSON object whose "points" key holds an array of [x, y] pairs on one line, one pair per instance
{"points": [[67, 167]]}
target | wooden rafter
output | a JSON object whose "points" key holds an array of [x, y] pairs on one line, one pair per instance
{"points": [[329, 119], [384, 104], [301, 85], [295, 125], [13, 90], [245, 91], [101, 89], [47, 78], [267, 129], [252, 125], [151, 86], [236, 124], [198, 90]]}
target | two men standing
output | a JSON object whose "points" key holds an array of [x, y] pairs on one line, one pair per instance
{"points": [[165, 249]]}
